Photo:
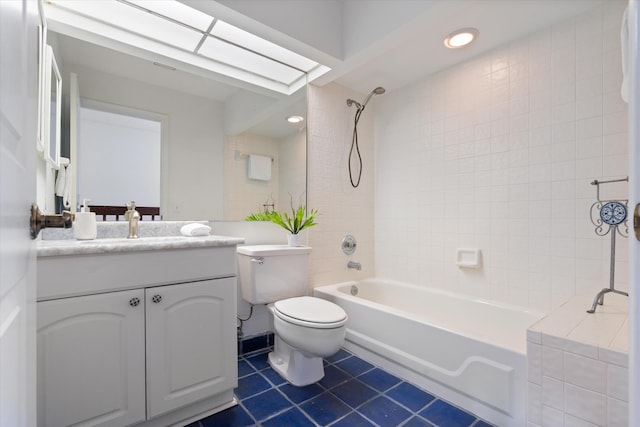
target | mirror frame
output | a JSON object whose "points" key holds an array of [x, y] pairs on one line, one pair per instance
{"points": [[42, 55], [52, 84]]}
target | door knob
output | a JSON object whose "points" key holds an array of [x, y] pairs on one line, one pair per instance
{"points": [[39, 221]]}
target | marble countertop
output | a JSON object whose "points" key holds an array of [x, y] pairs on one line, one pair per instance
{"points": [[66, 247], [155, 235]]}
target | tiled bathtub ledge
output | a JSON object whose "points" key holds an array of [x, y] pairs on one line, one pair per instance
{"points": [[578, 365]]}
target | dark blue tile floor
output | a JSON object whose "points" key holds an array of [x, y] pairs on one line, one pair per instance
{"points": [[353, 393]]}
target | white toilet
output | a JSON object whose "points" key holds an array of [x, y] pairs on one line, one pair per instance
{"points": [[307, 329]]}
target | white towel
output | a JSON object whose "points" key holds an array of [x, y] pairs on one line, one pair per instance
{"points": [[195, 229], [259, 167], [63, 181]]}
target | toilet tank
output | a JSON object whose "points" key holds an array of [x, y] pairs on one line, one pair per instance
{"points": [[269, 273]]}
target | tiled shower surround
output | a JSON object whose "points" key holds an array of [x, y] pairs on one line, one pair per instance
{"points": [[498, 154]]}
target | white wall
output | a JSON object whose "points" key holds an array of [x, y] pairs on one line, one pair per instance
{"points": [[498, 154], [195, 157]]}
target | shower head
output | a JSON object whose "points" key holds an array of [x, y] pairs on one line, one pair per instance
{"points": [[377, 91]]}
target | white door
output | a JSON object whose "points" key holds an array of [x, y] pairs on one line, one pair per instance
{"points": [[18, 133], [634, 198], [91, 360], [191, 343]]}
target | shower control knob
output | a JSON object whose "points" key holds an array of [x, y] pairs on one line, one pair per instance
{"points": [[349, 244]]}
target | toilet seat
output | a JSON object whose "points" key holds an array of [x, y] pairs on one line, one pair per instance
{"points": [[310, 312]]}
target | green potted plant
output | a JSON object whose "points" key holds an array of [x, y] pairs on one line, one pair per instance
{"points": [[299, 219]]}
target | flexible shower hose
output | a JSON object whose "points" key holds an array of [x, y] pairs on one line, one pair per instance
{"points": [[354, 144]]}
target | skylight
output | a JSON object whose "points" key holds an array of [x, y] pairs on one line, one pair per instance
{"points": [[160, 26]]}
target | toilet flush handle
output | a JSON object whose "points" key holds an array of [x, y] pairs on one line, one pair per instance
{"points": [[259, 260]]}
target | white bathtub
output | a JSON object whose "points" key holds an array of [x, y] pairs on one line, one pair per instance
{"points": [[467, 351]]}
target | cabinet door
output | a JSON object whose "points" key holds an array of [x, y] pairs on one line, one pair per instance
{"points": [[91, 360], [191, 343]]}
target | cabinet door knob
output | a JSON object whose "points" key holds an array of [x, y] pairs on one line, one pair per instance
{"points": [[134, 302], [156, 298]]}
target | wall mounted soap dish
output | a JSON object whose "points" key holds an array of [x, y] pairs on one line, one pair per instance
{"points": [[468, 258]]}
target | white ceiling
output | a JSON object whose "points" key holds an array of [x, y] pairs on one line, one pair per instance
{"points": [[367, 43], [390, 43]]}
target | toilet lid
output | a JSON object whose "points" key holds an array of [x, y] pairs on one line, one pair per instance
{"points": [[310, 310]]}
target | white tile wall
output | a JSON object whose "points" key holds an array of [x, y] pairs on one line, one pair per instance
{"points": [[343, 209], [498, 154]]}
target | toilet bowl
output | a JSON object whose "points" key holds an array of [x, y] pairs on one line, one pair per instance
{"points": [[307, 329]]}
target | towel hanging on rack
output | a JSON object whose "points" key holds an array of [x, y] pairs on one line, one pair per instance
{"points": [[63, 181], [259, 167]]}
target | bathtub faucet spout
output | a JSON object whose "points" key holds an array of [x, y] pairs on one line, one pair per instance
{"points": [[354, 264]]}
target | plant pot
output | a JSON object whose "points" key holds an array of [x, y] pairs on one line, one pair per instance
{"points": [[294, 239]]}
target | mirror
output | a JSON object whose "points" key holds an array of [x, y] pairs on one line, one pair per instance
{"points": [[212, 125], [52, 109]]}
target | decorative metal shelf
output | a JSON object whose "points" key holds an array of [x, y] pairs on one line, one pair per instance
{"points": [[609, 217]]}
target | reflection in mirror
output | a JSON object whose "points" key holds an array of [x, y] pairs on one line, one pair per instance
{"points": [[120, 148], [285, 150], [211, 124]]}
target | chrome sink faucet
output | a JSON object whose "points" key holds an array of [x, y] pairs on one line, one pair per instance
{"points": [[133, 216], [354, 264]]}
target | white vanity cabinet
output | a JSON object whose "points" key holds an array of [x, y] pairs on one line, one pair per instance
{"points": [[160, 352], [91, 361], [190, 355]]}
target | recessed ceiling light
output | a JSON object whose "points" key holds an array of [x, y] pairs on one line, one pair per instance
{"points": [[460, 38], [295, 119]]}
